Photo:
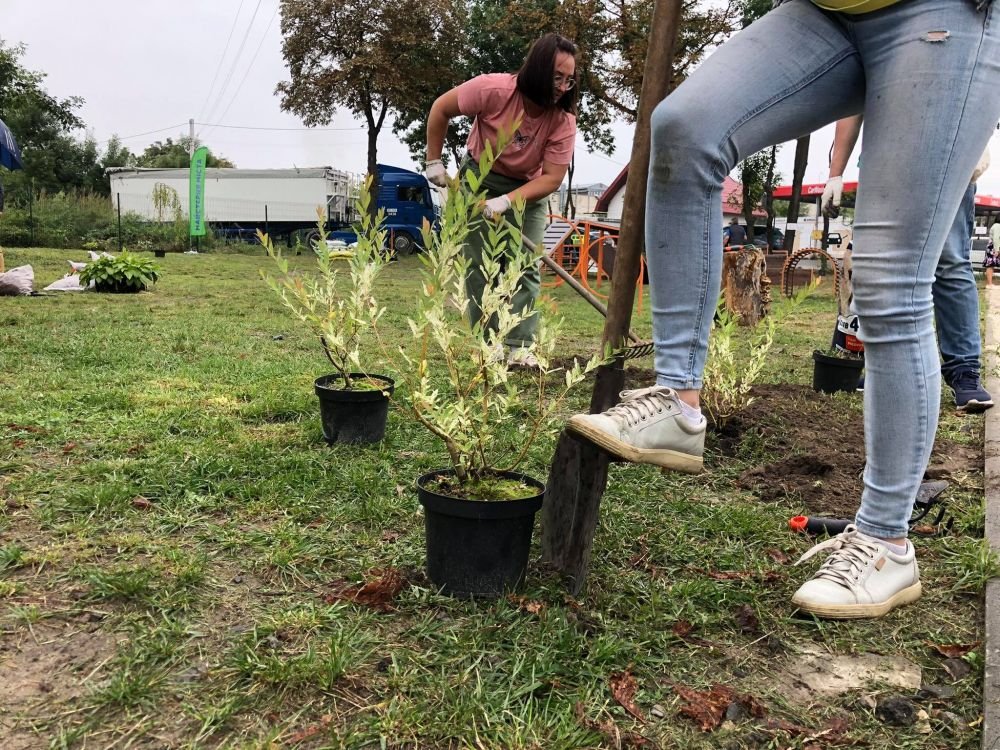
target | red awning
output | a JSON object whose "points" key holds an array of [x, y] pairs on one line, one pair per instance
{"points": [[814, 190], [784, 192]]}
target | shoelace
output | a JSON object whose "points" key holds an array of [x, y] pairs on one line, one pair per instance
{"points": [[634, 409], [851, 555], [966, 380]]}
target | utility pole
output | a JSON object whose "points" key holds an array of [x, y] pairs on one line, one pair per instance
{"points": [[191, 137]]}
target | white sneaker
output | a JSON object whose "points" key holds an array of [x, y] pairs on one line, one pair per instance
{"points": [[862, 578], [523, 359], [647, 427]]}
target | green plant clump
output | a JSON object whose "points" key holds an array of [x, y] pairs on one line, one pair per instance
{"points": [[124, 273]]}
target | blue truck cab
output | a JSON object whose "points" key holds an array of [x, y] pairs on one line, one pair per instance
{"points": [[408, 200]]}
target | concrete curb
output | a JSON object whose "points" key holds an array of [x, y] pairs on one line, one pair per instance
{"points": [[991, 485]]}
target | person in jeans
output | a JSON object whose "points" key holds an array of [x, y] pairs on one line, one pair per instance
{"points": [[542, 95], [956, 296], [925, 73]]}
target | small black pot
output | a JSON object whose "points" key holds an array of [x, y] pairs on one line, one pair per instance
{"points": [[834, 374], [354, 416], [474, 547]]}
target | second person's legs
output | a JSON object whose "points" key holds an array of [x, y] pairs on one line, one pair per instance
{"points": [[956, 312]]}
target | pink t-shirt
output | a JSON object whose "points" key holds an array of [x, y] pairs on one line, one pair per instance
{"points": [[494, 101]]}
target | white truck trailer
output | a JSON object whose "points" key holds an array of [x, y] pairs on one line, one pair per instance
{"points": [[240, 201]]}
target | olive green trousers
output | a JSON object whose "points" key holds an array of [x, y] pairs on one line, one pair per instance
{"points": [[535, 220]]}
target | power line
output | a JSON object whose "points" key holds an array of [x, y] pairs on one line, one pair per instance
{"points": [[139, 135], [236, 60], [257, 127], [249, 67], [222, 59]]}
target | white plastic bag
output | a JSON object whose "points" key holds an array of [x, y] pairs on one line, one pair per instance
{"points": [[68, 283]]}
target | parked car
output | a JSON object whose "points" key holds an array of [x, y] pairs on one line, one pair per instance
{"points": [[777, 238]]}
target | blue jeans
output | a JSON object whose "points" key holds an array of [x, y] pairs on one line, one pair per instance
{"points": [[956, 297], [930, 106]]}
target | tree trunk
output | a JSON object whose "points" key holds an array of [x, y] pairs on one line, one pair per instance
{"points": [[579, 471], [663, 30], [748, 213], [769, 198], [569, 211], [745, 286], [374, 128], [373, 170], [846, 291], [798, 173]]}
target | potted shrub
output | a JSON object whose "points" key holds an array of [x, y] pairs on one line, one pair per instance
{"points": [[839, 368], [339, 309], [479, 510], [121, 274]]}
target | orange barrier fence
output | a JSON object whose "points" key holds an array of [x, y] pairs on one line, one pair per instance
{"points": [[586, 249]]}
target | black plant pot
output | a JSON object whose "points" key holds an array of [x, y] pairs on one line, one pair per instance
{"points": [[353, 416], [114, 287], [478, 548], [834, 374]]}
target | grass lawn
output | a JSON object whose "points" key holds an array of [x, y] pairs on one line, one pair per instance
{"points": [[178, 546]]}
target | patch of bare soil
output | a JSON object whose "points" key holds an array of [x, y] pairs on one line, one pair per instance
{"points": [[44, 670], [824, 445]]}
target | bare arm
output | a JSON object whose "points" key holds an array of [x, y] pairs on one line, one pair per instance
{"points": [[845, 137], [445, 107]]}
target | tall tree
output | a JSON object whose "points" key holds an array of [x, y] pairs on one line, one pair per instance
{"points": [[370, 58], [176, 155], [495, 40], [40, 122], [758, 177]]}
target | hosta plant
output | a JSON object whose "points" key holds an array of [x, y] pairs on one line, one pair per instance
{"points": [[123, 273]]}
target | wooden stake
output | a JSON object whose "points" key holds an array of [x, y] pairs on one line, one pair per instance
{"points": [[579, 470]]}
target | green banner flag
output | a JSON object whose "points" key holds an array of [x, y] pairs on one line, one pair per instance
{"points": [[196, 203]]}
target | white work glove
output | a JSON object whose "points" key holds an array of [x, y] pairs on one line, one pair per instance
{"points": [[495, 208], [982, 166], [435, 173], [832, 195]]}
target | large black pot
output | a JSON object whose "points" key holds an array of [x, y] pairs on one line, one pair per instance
{"points": [[474, 547], [834, 374], [353, 416]]}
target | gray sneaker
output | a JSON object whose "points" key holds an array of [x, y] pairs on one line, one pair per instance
{"points": [[647, 427]]}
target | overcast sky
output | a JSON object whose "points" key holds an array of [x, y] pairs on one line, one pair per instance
{"points": [[151, 65]]}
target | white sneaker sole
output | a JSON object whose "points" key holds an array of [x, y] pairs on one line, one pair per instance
{"points": [[975, 407], [665, 459], [860, 611]]}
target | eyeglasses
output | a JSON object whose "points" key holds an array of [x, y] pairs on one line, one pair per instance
{"points": [[568, 81]]}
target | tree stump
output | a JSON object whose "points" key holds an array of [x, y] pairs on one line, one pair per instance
{"points": [[745, 285]]}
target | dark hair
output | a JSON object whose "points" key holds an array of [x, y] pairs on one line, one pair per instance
{"points": [[534, 79]]}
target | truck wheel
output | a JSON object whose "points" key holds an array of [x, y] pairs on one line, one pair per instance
{"points": [[403, 243], [312, 237]]}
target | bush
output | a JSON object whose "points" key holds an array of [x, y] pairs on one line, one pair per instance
{"points": [[70, 220], [126, 273]]}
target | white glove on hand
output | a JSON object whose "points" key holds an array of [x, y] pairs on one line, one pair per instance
{"points": [[435, 173], [832, 195], [495, 208]]}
